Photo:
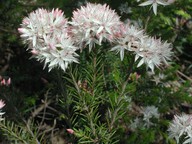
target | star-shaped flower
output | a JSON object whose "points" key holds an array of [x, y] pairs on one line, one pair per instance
{"points": [[154, 4]]}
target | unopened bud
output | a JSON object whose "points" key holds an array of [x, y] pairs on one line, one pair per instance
{"points": [[70, 131]]}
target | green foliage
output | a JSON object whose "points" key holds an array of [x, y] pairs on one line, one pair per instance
{"points": [[18, 133], [89, 97]]}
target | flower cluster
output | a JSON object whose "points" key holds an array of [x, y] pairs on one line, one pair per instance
{"points": [[54, 41], [136, 123], [124, 8], [149, 50], [94, 23], [2, 104], [148, 114], [181, 126], [157, 78], [47, 35]]}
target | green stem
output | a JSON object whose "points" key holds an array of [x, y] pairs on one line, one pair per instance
{"points": [[74, 81], [147, 21], [94, 75], [61, 84], [120, 98], [64, 95], [129, 71]]}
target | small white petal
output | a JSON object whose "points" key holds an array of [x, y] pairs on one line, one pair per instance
{"points": [[100, 29], [155, 8], [162, 2], [149, 2], [141, 62], [121, 54], [136, 57], [34, 41]]}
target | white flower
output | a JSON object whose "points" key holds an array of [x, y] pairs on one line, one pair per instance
{"points": [[128, 38], [124, 8], [47, 36], [61, 54], [174, 131], [150, 51], [158, 78], [148, 113], [181, 125], [188, 138], [154, 4], [94, 23], [136, 123], [41, 23], [153, 52]]}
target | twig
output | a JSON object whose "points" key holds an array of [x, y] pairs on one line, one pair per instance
{"points": [[46, 103], [119, 99], [8, 31], [127, 77], [74, 81], [147, 21], [185, 76]]}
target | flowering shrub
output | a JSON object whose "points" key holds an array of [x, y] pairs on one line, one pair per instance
{"points": [[55, 41], [97, 89], [52, 41]]}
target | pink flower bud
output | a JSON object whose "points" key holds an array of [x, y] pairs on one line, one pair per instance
{"points": [[70, 131], [3, 82], [8, 82], [137, 76], [2, 104]]}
